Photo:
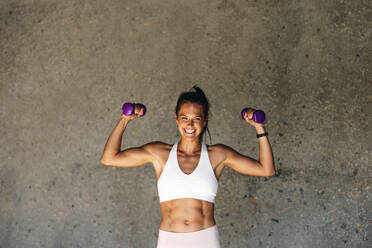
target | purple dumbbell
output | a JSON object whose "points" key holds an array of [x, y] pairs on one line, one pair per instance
{"points": [[258, 115], [128, 108]]}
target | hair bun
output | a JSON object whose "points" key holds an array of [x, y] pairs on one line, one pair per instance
{"points": [[199, 91]]}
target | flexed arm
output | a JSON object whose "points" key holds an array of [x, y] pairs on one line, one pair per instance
{"points": [[130, 157], [249, 166]]}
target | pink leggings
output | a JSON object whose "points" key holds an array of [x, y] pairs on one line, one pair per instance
{"points": [[206, 238]]}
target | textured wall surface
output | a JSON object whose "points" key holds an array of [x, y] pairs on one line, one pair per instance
{"points": [[66, 67]]}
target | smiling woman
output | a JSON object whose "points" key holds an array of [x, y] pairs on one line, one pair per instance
{"points": [[188, 171], [197, 103], [190, 119]]}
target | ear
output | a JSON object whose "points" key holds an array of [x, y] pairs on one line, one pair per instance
{"points": [[175, 118]]}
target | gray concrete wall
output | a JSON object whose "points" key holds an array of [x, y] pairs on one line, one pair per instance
{"points": [[66, 67]]}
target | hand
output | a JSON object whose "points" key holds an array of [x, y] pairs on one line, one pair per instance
{"points": [[248, 115], [138, 112]]}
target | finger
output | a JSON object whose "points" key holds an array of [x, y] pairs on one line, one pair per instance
{"points": [[136, 109], [138, 113], [250, 121], [246, 116]]}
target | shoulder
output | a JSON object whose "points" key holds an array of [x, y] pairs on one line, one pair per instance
{"points": [[159, 152], [219, 148], [220, 151], [157, 147]]}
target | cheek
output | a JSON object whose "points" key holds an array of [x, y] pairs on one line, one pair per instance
{"points": [[200, 125]]}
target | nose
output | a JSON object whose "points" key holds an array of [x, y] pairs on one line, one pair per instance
{"points": [[190, 122]]}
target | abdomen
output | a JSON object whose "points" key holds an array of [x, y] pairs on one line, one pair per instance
{"points": [[186, 215]]}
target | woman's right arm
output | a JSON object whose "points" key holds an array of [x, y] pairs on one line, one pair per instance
{"points": [[127, 158]]}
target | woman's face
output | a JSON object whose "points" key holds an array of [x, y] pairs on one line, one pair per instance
{"points": [[190, 120]]}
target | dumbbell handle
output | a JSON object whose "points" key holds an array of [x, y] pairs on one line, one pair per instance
{"points": [[258, 115], [128, 108]]}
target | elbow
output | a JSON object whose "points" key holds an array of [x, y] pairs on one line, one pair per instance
{"points": [[105, 162], [108, 162], [268, 171], [106, 159], [271, 173]]}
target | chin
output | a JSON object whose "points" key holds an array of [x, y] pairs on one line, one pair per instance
{"points": [[191, 136]]}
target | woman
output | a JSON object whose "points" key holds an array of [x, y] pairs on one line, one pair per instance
{"points": [[188, 171]]}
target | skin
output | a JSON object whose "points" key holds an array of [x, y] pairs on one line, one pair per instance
{"points": [[187, 214]]}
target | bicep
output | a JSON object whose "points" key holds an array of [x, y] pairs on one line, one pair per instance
{"points": [[243, 164], [130, 157]]}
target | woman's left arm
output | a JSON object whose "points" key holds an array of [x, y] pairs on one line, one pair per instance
{"points": [[249, 166]]}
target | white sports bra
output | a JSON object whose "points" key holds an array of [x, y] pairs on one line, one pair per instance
{"points": [[200, 184]]}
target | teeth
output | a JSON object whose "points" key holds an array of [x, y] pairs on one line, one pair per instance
{"points": [[189, 131]]}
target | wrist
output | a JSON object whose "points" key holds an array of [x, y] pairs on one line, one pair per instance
{"points": [[262, 135], [124, 120], [260, 129]]}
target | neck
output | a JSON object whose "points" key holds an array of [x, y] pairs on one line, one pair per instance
{"points": [[189, 146]]}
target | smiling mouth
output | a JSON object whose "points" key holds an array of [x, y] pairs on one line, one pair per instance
{"points": [[189, 131]]}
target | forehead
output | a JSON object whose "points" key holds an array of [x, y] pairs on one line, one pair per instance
{"points": [[189, 108]]}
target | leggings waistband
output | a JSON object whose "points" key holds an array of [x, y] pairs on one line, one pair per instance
{"points": [[206, 238]]}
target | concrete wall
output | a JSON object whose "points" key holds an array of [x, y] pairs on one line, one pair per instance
{"points": [[66, 67]]}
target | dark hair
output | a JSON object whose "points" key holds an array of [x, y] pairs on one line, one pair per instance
{"points": [[196, 95]]}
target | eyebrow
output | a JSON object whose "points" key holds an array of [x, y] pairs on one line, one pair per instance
{"points": [[195, 116]]}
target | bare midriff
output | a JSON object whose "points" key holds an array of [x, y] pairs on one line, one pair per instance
{"points": [[186, 215]]}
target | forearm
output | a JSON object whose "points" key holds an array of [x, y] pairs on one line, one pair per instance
{"points": [[113, 143], [266, 155]]}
